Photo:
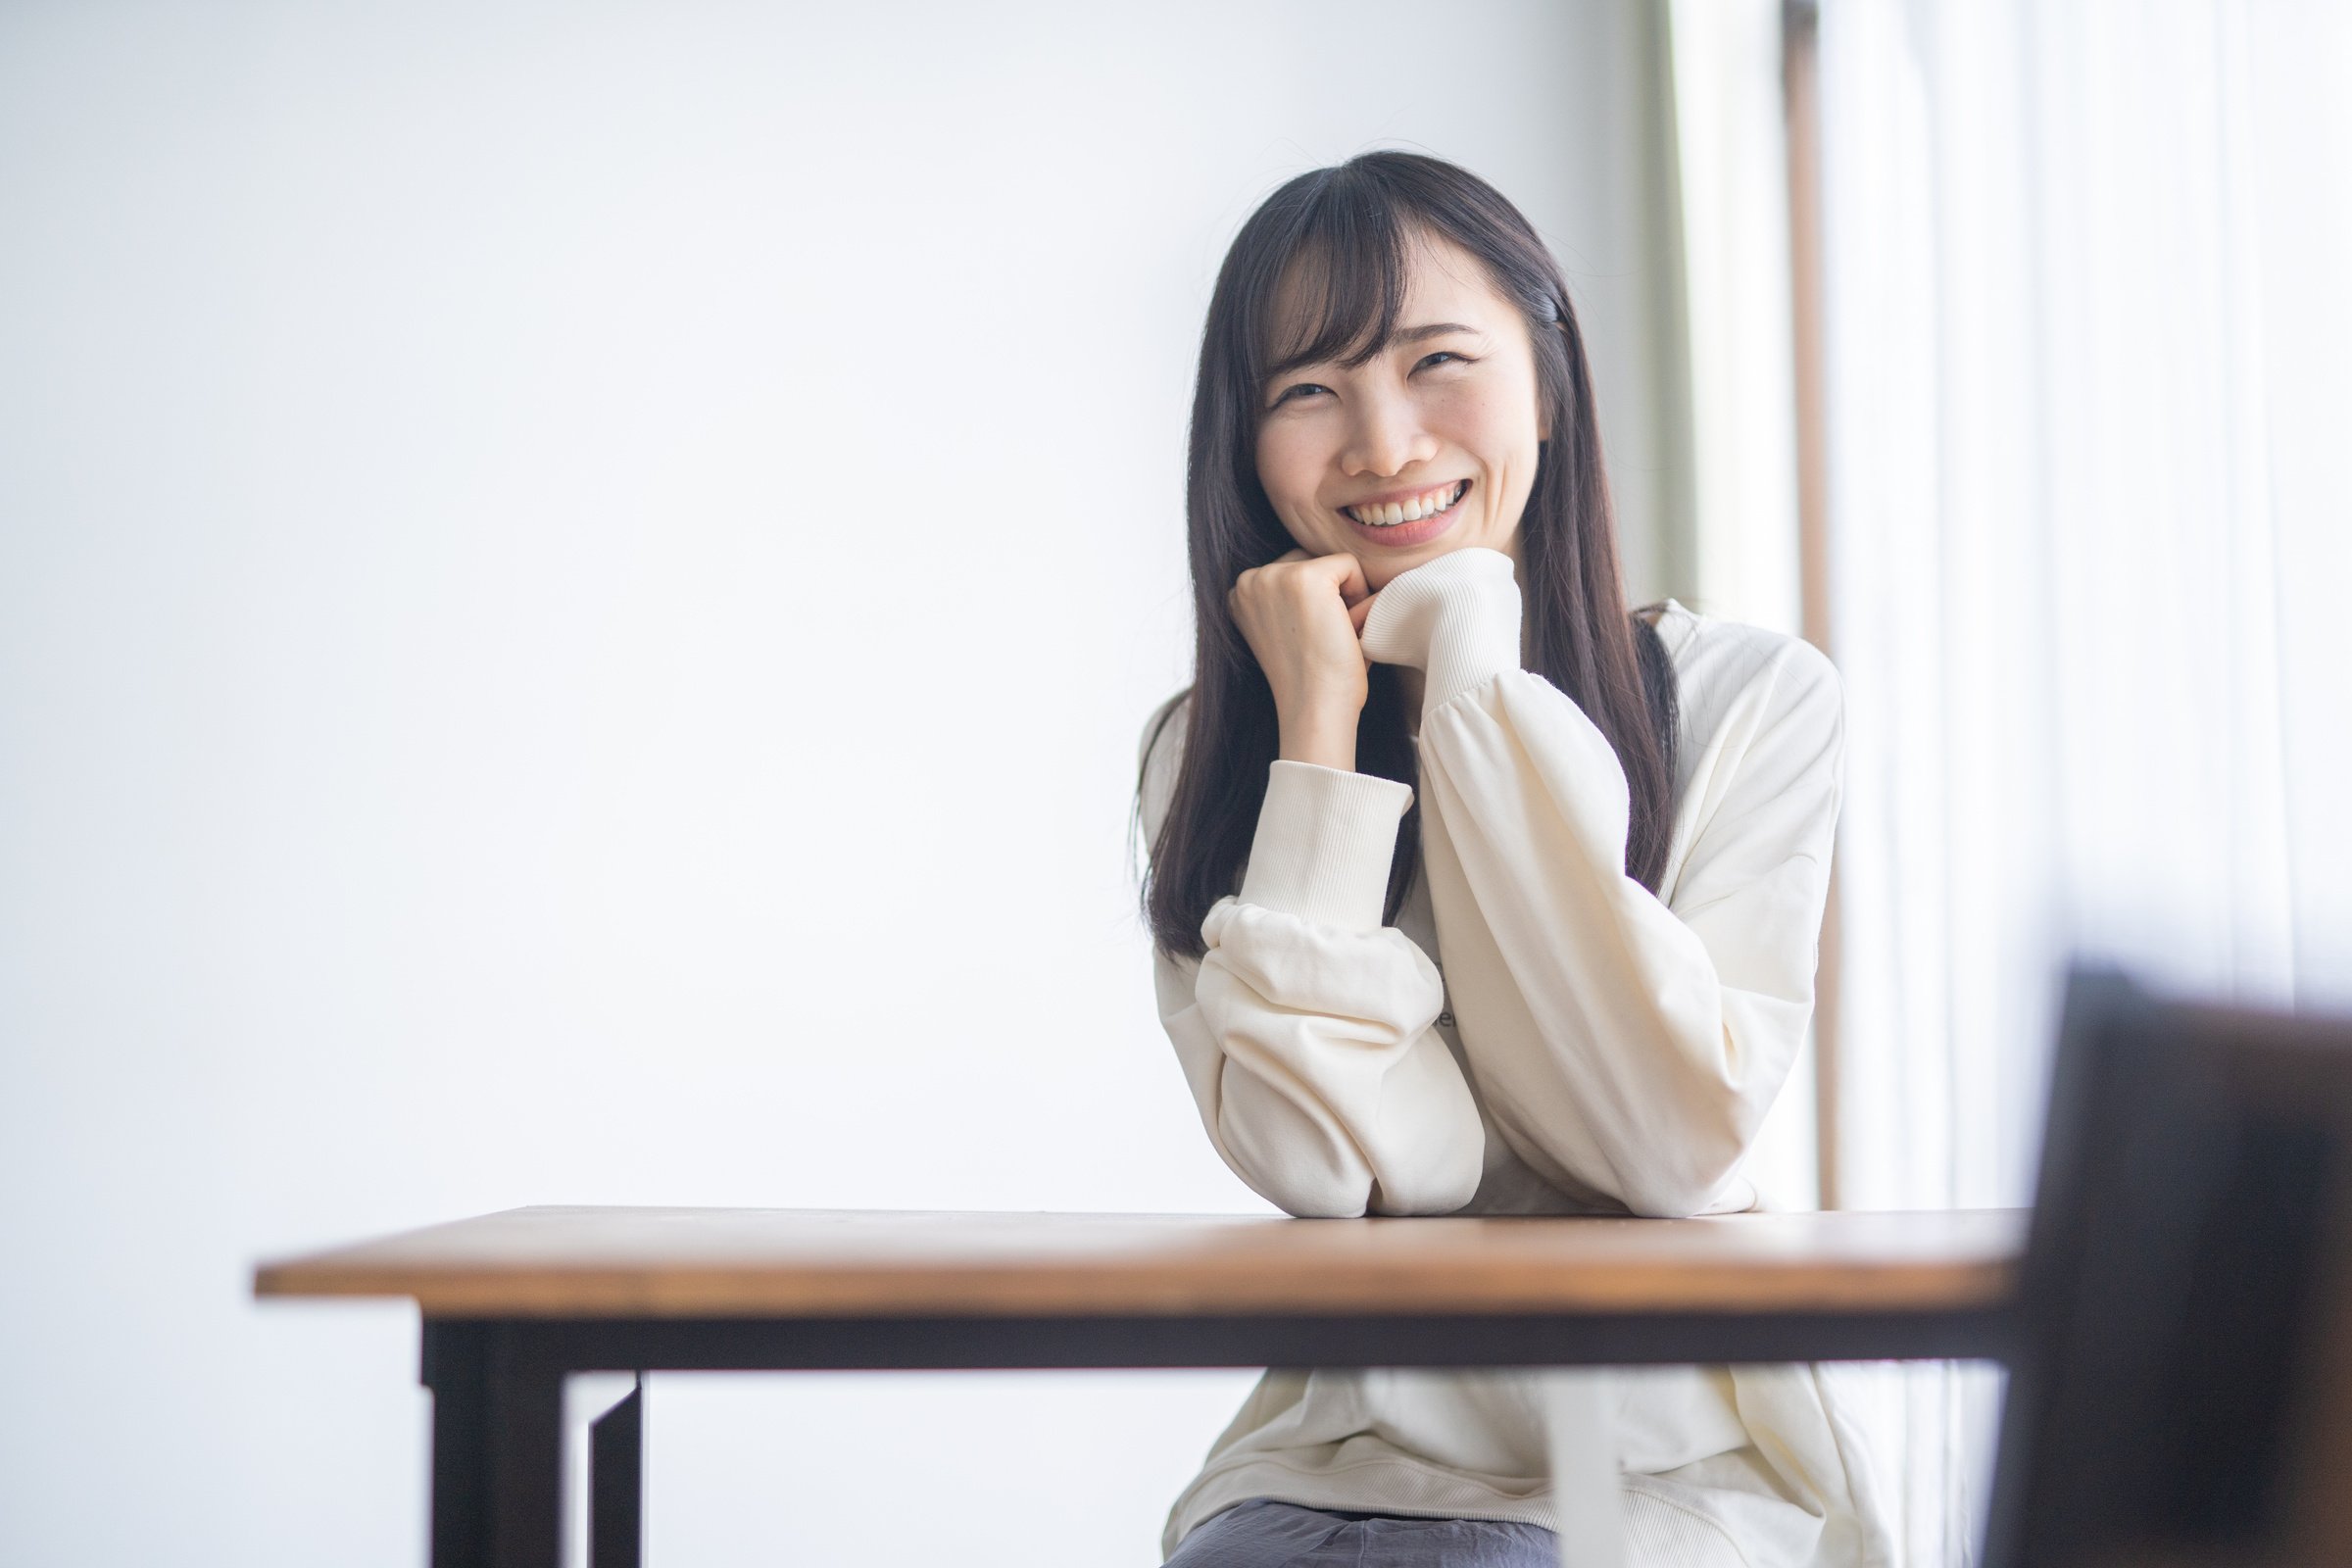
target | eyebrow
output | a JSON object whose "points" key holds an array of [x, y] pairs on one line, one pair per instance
{"points": [[1417, 334], [1406, 334]]}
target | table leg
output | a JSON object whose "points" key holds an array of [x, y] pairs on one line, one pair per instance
{"points": [[617, 1484], [498, 1448], [1581, 1415]]}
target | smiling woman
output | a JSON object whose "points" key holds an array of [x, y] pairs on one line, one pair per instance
{"points": [[1456, 391], [1379, 331], [1472, 891]]}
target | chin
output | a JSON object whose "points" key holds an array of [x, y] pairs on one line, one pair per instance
{"points": [[1384, 568]]}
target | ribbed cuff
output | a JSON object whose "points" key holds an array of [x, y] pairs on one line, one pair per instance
{"points": [[1323, 844], [1456, 619]]}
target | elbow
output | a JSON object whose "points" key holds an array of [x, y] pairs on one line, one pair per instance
{"points": [[1438, 1190], [1323, 1206], [1337, 1201], [1679, 1189], [1318, 1201], [1303, 1179], [1686, 1173], [1656, 1199], [1336, 1191]]}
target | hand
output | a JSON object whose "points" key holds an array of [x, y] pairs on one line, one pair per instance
{"points": [[1302, 615], [1455, 618]]}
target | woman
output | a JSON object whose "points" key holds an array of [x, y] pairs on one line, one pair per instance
{"points": [[1472, 893]]}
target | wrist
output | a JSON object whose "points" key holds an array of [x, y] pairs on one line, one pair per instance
{"points": [[1323, 846], [1325, 739], [1457, 618]]}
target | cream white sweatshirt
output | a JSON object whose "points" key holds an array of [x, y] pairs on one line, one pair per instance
{"points": [[1537, 1034]]}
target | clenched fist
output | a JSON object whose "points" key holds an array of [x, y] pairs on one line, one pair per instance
{"points": [[1303, 616]]}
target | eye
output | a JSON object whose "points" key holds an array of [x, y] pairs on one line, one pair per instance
{"points": [[1291, 393], [1443, 355]]}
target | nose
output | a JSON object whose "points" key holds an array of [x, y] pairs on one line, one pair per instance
{"points": [[1387, 437]]}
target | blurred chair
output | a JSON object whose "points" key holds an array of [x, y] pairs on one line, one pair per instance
{"points": [[2180, 1390]]}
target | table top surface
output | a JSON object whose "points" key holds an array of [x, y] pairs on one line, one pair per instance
{"points": [[776, 1262]]}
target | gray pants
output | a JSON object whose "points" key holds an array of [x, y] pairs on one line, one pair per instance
{"points": [[1265, 1534]]}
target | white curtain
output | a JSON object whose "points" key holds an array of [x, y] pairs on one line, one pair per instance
{"points": [[2087, 338], [1734, 365]]}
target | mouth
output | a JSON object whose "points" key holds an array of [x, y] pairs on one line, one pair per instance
{"points": [[1413, 519]]}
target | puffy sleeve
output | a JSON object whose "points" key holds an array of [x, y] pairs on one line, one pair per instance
{"points": [[1307, 1031], [1620, 1045]]}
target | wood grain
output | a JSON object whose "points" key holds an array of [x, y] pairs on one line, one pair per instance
{"points": [[725, 1263]]}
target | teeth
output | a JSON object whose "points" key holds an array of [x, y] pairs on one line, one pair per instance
{"points": [[1426, 504]]}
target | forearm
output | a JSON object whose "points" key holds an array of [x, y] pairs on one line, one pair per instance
{"points": [[1307, 1031], [1620, 1044]]}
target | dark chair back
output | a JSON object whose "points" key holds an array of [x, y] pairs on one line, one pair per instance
{"points": [[2180, 1391]]}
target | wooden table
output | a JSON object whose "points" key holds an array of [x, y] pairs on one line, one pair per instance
{"points": [[514, 1304]]}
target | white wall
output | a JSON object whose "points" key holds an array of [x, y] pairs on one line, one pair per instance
{"points": [[576, 590]]}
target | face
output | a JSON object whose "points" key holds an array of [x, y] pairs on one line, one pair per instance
{"points": [[1427, 447]]}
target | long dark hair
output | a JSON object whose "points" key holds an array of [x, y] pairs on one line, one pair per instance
{"points": [[1349, 229]]}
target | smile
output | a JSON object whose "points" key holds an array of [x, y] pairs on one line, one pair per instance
{"points": [[1412, 508]]}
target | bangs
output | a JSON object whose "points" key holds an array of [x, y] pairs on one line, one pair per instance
{"points": [[1339, 280]]}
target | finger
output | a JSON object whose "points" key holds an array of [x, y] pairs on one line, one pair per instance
{"points": [[1348, 575], [1361, 611], [1295, 555]]}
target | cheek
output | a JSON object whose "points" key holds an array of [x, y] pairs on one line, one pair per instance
{"points": [[1506, 421], [1500, 426], [1475, 415], [1287, 470]]}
